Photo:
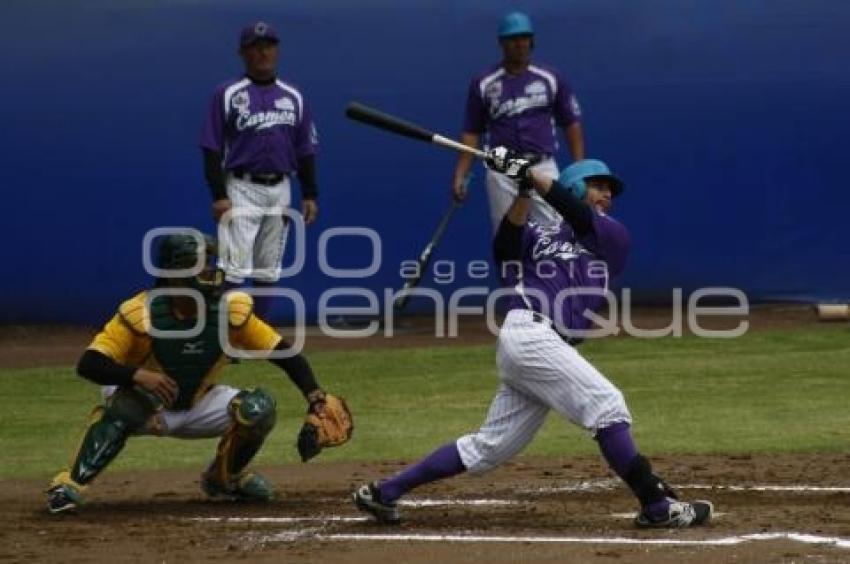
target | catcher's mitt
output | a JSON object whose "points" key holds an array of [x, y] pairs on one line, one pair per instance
{"points": [[328, 423]]}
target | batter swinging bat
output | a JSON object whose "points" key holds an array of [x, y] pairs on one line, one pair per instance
{"points": [[371, 116], [425, 255]]}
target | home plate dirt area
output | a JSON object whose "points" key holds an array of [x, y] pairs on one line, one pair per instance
{"points": [[777, 508]]}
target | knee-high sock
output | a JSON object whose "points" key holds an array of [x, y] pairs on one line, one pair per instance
{"points": [[442, 463], [617, 447], [621, 453]]}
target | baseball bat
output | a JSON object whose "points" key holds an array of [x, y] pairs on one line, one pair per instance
{"points": [[381, 120], [425, 255]]}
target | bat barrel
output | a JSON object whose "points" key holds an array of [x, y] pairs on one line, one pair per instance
{"points": [[381, 120], [376, 118]]}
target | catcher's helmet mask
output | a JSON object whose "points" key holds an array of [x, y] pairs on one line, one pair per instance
{"points": [[181, 251]]}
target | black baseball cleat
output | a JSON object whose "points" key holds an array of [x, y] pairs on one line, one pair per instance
{"points": [[63, 498], [680, 514], [368, 498]]}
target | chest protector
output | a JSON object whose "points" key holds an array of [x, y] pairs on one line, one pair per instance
{"points": [[186, 360]]}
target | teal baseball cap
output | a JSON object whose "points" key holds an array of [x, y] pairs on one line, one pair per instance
{"points": [[514, 24]]}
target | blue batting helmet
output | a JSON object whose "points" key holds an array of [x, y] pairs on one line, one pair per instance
{"points": [[574, 176], [515, 23]]}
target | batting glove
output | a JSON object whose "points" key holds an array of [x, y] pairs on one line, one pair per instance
{"points": [[497, 158], [517, 168], [507, 162]]}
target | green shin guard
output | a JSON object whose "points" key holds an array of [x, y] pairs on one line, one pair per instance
{"points": [[125, 412], [254, 415]]}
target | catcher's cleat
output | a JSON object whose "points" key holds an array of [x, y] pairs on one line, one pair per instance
{"points": [[368, 498], [248, 487], [680, 514], [63, 498]]}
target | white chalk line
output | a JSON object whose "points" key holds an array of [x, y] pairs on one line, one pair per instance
{"points": [[608, 484], [421, 502], [803, 538], [323, 519], [767, 488], [316, 519], [439, 502], [582, 486], [714, 515], [592, 485]]}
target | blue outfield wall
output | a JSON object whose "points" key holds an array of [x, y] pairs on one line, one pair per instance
{"points": [[727, 120]]}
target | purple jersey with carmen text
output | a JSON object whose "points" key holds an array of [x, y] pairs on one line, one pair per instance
{"points": [[259, 128], [520, 111], [555, 259]]}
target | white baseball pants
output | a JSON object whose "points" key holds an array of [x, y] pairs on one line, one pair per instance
{"points": [[538, 372], [501, 192], [252, 242], [209, 418]]}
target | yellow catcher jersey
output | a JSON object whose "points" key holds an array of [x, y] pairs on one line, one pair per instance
{"points": [[126, 339]]}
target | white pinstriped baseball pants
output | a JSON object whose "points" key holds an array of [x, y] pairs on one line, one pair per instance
{"points": [[251, 244], [538, 372], [501, 192]]}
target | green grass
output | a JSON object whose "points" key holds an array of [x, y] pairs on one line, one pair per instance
{"points": [[767, 392]]}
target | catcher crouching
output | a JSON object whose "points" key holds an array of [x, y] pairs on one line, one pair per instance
{"points": [[158, 360]]}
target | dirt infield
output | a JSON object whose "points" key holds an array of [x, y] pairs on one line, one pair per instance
{"points": [[531, 510]]}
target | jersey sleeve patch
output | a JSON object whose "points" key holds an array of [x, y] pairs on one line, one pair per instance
{"points": [[240, 307]]}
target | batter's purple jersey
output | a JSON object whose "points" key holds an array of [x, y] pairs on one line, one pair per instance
{"points": [[259, 128], [520, 111], [554, 259]]}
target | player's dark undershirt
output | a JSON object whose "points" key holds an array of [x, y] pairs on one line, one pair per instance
{"points": [[103, 370], [507, 245]]}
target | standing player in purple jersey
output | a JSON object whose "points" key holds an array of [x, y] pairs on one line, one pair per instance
{"points": [[258, 133], [518, 104], [555, 268]]}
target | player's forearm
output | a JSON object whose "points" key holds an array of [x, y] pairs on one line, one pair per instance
{"points": [[307, 177], [214, 174], [574, 211], [465, 160], [100, 369], [507, 245], [298, 370], [575, 140], [519, 211]]}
